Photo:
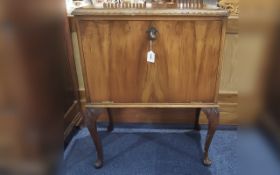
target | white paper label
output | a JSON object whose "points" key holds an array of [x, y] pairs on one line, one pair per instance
{"points": [[148, 5], [151, 56]]}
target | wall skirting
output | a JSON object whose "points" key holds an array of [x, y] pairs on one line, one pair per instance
{"points": [[72, 118]]}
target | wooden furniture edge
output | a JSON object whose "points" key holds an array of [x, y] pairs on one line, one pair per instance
{"points": [[83, 65], [223, 96], [152, 105], [148, 18], [149, 12], [232, 24]]}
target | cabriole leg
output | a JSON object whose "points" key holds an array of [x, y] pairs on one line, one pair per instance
{"points": [[213, 116], [111, 121], [196, 123], [90, 119]]}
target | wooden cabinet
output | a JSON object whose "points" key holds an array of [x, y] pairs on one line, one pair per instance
{"points": [[114, 44], [117, 70]]}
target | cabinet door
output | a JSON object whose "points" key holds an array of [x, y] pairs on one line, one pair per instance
{"points": [[116, 67]]}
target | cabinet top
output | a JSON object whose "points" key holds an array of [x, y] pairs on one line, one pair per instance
{"points": [[91, 11]]}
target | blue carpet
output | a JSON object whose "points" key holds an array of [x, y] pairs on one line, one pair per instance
{"points": [[152, 152]]}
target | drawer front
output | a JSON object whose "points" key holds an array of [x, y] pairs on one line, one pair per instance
{"points": [[185, 69]]}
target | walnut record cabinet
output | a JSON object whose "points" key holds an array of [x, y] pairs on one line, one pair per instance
{"points": [[120, 72]]}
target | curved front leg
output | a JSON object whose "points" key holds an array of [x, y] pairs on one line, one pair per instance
{"points": [[90, 121], [196, 122], [213, 116], [111, 121]]}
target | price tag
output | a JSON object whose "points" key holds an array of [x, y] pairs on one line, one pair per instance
{"points": [[151, 56]]}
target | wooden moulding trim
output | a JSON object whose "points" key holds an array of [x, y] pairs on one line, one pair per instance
{"points": [[152, 105], [82, 59], [229, 97], [232, 25], [150, 12], [73, 109], [223, 97], [150, 18], [75, 122]]}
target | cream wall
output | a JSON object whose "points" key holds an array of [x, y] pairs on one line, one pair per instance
{"points": [[78, 61]]}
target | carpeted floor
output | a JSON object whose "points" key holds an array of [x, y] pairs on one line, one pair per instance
{"points": [[131, 151]]}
